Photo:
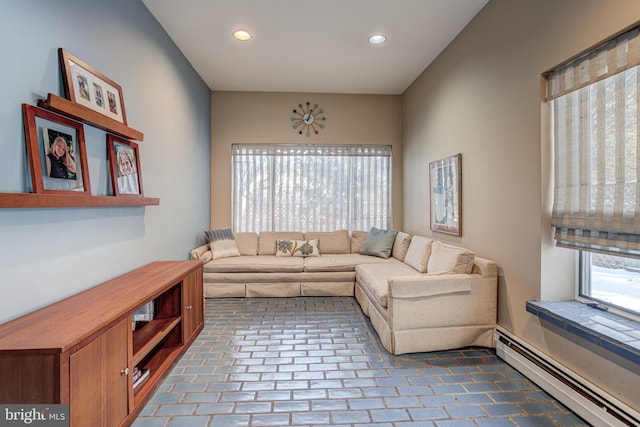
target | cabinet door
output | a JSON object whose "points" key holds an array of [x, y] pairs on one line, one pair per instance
{"points": [[99, 380], [192, 305]]}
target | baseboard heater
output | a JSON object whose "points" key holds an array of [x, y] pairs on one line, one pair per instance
{"points": [[584, 398]]}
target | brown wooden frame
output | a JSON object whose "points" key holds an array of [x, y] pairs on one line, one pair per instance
{"points": [[112, 143], [34, 138], [99, 80]]}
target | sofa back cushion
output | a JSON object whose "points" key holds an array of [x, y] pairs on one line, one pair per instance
{"points": [[247, 243], [450, 259], [357, 240], [418, 253], [401, 246], [330, 242], [267, 240]]}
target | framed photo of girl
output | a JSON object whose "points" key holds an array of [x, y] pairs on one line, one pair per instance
{"points": [[56, 151], [86, 86], [124, 160]]}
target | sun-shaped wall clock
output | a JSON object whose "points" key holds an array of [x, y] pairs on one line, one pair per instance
{"points": [[307, 119]]}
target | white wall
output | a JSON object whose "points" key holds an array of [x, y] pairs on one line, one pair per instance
{"points": [[482, 98], [48, 254]]}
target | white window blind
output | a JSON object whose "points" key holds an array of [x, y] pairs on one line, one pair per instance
{"points": [[594, 105], [285, 187]]}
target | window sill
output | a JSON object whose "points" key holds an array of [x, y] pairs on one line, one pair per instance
{"points": [[607, 330]]}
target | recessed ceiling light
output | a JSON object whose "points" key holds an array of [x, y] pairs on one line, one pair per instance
{"points": [[377, 39], [242, 35]]}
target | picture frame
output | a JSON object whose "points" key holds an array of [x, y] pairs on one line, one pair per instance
{"points": [[445, 183], [56, 151], [124, 162], [86, 86]]}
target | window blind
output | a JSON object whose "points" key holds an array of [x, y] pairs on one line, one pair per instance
{"points": [[595, 126]]}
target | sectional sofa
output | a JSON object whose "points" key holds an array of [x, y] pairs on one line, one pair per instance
{"points": [[420, 294]]}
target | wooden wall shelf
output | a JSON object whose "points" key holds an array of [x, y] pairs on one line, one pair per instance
{"points": [[88, 116], [36, 200]]}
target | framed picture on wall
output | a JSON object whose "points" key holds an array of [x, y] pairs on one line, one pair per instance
{"points": [[86, 86], [56, 150], [445, 185], [124, 161]]}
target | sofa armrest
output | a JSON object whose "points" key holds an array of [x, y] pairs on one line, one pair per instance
{"points": [[442, 300], [428, 285], [202, 253]]}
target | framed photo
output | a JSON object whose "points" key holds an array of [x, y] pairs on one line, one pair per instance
{"points": [[124, 160], [445, 184], [86, 86], [56, 149]]}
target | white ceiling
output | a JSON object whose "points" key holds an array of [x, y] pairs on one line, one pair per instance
{"points": [[312, 46]]}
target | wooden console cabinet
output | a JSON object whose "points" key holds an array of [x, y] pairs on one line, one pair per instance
{"points": [[83, 349]]}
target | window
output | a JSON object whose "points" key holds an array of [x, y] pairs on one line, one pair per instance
{"points": [[594, 104], [282, 187]]}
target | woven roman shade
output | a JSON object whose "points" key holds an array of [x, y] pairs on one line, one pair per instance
{"points": [[594, 103]]}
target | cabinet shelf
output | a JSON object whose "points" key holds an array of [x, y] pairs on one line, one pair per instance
{"points": [[88, 116], [38, 200], [150, 335]]}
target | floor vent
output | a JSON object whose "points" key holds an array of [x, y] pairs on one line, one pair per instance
{"points": [[592, 404]]}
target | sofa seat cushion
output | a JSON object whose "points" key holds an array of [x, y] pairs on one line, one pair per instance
{"points": [[346, 262], [374, 278], [259, 263]]}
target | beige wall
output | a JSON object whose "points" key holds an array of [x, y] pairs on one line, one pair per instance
{"points": [[262, 117], [482, 98]]}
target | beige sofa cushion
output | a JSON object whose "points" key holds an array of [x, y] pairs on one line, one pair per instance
{"points": [[401, 245], [374, 278], [418, 253], [247, 243], [331, 242], [342, 262], [267, 240], [258, 263], [357, 240], [449, 259]]}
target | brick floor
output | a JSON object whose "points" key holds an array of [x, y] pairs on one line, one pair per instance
{"points": [[317, 361]]}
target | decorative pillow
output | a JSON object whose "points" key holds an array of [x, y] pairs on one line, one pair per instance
{"points": [[379, 242], [418, 253], [401, 246], [450, 259], [301, 248], [222, 243]]}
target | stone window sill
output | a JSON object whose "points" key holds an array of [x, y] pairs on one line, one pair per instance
{"points": [[607, 330]]}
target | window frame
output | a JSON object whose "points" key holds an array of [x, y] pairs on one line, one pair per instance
{"points": [[584, 282]]}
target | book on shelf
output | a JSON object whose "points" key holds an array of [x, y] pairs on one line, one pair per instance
{"points": [[139, 376], [144, 313]]}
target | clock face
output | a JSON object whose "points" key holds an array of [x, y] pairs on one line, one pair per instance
{"points": [[308, 119]]}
